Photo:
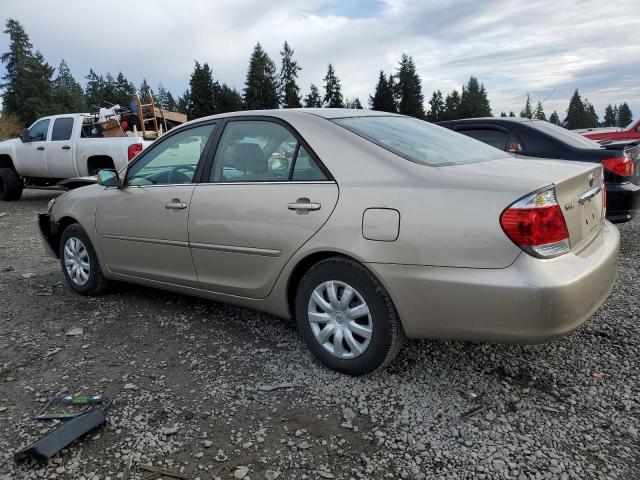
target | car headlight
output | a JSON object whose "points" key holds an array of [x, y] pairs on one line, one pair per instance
{"points": [[50, 205]]}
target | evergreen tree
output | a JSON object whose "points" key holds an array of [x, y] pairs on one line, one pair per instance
{"points": [[473, 101], [94, 90], [511, 114], [313, 99], [67, 95], [437, 107], [408, 88], [539, 112], [228, 99], [625, 117], [110, 89], [575, 112], [616, 114], [355, 104], [526, 111], [609, 117], [144, 91], [125, 91], [590, 117], [553, 118], [451, 106], [261, 91], [288, 89], [27, 86], [170, 103], [382, 99], [332, 90], [503, 115], [182, 105], [202, 90], [161, 96]]}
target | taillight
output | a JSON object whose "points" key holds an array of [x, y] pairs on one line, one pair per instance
{"points": [[622, 166], [134, 150], [535, 224]]}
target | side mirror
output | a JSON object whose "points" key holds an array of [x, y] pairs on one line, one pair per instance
{"points": [[24, 136], [108, 178]]}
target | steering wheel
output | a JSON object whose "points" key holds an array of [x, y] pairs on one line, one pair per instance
{"points": [[177, 175]]}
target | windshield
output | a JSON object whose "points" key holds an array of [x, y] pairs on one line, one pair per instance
{"points": [[566, 136], [420, 141]]}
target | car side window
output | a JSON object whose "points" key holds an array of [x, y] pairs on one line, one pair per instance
{"points": [[306, 169], [173, 161], [254, 151], [495, 138], [62, 128], [38, 132]]}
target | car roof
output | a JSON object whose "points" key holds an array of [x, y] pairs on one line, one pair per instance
{"points": [[292, 113], [493, 120]]}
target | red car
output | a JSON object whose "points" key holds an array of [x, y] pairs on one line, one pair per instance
{"points": [[631, 132]]}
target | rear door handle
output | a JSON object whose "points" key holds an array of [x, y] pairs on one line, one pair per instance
{"points": [[66, 147], [304, 205], [40, 148], [175, 204]]}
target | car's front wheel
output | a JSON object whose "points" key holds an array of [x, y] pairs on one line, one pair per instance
{"points": [[80, 263], [346, 317]]}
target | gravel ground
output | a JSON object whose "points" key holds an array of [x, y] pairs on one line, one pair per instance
{"points": [[218, 392]]}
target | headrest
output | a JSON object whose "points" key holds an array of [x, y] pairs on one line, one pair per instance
{"points": [[248, 157]]}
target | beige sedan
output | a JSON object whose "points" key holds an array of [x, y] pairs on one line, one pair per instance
{"points": [[365, 227]]}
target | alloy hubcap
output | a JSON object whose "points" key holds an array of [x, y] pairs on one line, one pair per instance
{"points": [[340, 319], [76, 261]]}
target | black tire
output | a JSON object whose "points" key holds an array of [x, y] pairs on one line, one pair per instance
{"points": [[387, 334], [96, 282], [10, 184]]}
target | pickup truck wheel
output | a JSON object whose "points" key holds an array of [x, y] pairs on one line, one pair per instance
{"points": [[80, 263], [10, 184]]}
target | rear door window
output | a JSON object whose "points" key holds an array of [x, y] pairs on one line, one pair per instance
{"points": [[62, 128], [495, 138]]}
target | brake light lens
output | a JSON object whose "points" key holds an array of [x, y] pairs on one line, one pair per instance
{"points": [[535, 224], [134, 150], [622, 166]]}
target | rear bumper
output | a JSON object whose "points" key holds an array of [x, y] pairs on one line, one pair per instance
{"points": [[623, 201], [531, 301]]}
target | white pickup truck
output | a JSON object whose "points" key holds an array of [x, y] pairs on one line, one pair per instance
{"points": [[59, 147]]}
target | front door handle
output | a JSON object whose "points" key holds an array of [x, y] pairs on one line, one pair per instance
{"points": [[175, 204], [40, 148], [304, 205], [66, 147]]}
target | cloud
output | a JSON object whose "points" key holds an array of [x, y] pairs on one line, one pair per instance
{"points": [[513, 47]]}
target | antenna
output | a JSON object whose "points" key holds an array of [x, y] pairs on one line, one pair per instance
{"points": [[533, 114]]}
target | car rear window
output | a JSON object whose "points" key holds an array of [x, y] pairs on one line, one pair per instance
{"points": [[566, 136], [420, 141]]}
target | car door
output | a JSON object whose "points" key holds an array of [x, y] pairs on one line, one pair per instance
{"points": [[32, 154], [264, 195], [143, 224], [59, 148]]}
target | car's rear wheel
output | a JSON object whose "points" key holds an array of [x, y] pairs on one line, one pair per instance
{"points": [[346, 317], [10, 184], [80, 263]]}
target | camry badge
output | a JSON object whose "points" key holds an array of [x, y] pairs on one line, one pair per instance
{"points": [[592, 179]]}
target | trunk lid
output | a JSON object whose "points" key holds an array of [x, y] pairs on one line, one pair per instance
{"points": [[577, 186]]}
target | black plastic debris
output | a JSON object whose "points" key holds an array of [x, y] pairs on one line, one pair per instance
{"points": [[65, 433]]}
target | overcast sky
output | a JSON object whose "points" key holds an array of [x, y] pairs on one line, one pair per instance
{"points": [[513, 47]]}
